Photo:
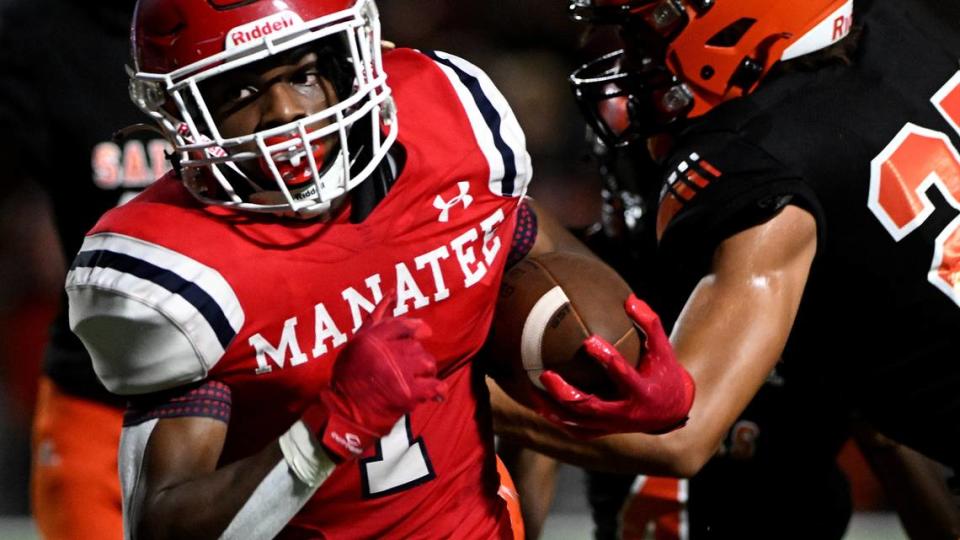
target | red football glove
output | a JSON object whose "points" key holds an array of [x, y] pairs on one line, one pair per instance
{"points": [[655, 397], [382, 374]]}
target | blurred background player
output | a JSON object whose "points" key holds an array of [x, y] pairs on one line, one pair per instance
{"points": [[287, 142], [748, 186], [62, 97]]}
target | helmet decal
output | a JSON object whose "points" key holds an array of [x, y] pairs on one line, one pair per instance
{"points": [[832, 29], [261, 28]]}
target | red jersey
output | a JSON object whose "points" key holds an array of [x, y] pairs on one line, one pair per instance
{"points": [[167, 291]]}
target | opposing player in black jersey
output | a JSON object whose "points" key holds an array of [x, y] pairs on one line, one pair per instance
{"points": [[62, 96], [780, 448], [796, 216]]}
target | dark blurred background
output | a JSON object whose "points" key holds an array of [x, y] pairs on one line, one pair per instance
{"points": [[528, 48]]}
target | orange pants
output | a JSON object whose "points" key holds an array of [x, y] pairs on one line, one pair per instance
{"points": [[75, 488], [508, 492], [660, 504]]}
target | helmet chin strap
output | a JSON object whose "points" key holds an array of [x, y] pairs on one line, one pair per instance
{"points": [[319, 210], [336, 175]]}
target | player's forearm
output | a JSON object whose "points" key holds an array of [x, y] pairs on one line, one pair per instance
{"points": [[736, 322], [728, 354], [182, 494], [667, 455], [729, 337], [203, 507]]}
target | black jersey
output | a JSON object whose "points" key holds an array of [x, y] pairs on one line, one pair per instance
{"points": [[777, 465], [870, 150], [63, 94], [781, 448]]}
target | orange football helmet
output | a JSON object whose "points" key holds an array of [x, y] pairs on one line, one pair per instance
{"points": [[683, 57]]}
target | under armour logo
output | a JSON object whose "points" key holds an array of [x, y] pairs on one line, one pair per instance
{"points": [[463, 198]]}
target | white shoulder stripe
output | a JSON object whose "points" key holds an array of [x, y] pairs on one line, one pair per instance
{"points": [[119, 285], [205, 278], [105, 292], [498, 133]]}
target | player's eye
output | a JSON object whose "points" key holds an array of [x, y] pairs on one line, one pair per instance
{"points": [[306, 77], [239, 93], [228, 95]]}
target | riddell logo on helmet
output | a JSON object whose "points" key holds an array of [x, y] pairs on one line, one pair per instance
{"points": [[831, 29], [841, 26], [262, 28]]}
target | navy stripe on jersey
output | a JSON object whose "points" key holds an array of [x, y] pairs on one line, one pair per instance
{"points": [[170, 281], [490, 116]]}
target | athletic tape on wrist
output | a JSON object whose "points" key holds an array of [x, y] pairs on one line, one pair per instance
{"points": [[305, 456]]}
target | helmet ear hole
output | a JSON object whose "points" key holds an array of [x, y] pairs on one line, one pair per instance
{"points": [[732, 34]]}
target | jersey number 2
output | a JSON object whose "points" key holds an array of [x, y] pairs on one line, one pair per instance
{"points": [[900, 176], [401, 463]]}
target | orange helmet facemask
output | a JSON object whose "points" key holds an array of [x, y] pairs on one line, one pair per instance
{"points": [[681, 58]]}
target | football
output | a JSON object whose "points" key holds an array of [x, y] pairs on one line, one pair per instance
{"points": [[548, 306]]}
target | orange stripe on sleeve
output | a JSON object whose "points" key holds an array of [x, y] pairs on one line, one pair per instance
{"points": [[669, 207], [684, 191], [705, 165], [697, 180]]}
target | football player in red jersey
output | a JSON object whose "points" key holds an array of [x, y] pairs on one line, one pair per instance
{"points": [[796, 217], [294, 310]]}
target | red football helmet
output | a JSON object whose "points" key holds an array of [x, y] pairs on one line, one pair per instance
{"points": [[683, 57], [179, 44]]}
